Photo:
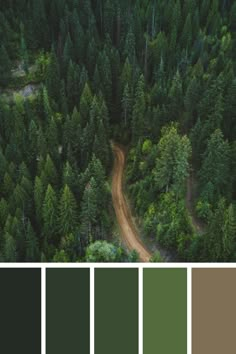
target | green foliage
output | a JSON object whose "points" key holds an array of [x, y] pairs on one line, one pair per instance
{"points": [[138, 123], [68, 220], [49, 213], [171, 168], [101, 251], [215, 168], [157, 258]]}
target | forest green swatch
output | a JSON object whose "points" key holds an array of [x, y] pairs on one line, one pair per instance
{"points": [[116, 311], [67, 311], [165, 311]]}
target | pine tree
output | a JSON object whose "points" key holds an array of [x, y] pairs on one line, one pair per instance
{"points": [[49, 213], [69, 177], [126, 105], [176, 97], [41, 144], [159, 48], [67, 212], [38, 199], [85, 103], [214, 236], [32, 251], [68, 53], [8, 185], [138, 115], [129, 48], [53, 77], [47, 110], [101, 147], [215, 167], [52, 138], [32, 151], [89, 210], [10, 253], [186, 37], [191, 99], [49, 175], [63, 100], [127, 76], [171, 168]]}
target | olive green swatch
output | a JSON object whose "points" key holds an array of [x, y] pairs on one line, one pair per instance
{"points": [[164, 311], [116, 311], [20, 311], [213, 311], [67, 311]]}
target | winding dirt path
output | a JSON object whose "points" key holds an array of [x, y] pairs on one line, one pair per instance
{"points": [[129, 232]]}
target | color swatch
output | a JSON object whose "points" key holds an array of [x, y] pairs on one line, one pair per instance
{"points": [[213, 311], [20, 311], [116, 311], [67, 311], [165, 311]]}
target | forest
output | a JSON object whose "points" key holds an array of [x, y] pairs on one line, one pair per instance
{"points": [[156, 77]]}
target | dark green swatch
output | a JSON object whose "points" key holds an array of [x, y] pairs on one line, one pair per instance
{"points": [[20, 311], [116, 311], [165, 311], [67, 311]]}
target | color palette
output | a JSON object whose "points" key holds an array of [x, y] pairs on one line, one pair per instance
{"points": [[20, 311], [67, 311], [130, 310], [116, 311], [165, 311], [213, 311]]}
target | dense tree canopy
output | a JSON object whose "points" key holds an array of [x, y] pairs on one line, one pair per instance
{"points": [[155, 75]]}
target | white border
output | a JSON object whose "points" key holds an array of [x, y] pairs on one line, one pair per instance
{"points": [[118, 265]]}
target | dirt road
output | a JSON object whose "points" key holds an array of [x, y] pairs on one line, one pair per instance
{"points": [[129, 232]]}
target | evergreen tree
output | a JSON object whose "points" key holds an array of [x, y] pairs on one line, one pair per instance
{"points": [[67, 212], [171, 168], [32, 250], [215, 167], [89, 211], [126, 105], [138, 115], [85, 103], [53, 77], [38, 199], [10, 253], [49, 214]]}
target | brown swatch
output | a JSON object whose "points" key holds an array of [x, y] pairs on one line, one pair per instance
{"points": [[214, 311]]}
